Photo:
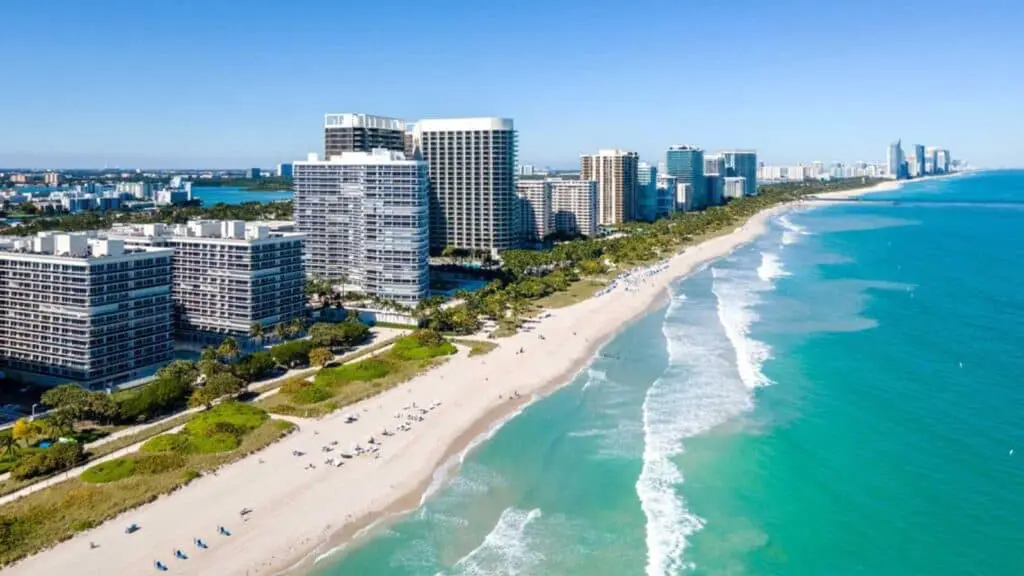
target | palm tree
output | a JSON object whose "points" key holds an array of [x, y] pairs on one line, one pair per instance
{"points": [[295, 327], [280, 331], [228, 349], [256, 332], [8, 445]]}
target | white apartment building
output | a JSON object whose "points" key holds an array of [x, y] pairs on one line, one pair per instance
{"points": [[83, 310], [472, 170], [366, 216], [138, 190], [536, 216], [227, 275], [735, 187], [615, 172], [575, 204]]}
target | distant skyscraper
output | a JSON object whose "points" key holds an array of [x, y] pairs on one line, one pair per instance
{"points": [[51, 179], [473, 203], [742, 164], [536, 218], [284, 170], [714, 184], [942, 161], [919, 160], [647, 192], [366, 219], [616, 174], [253, 173], [575, 206], [686, 163], [361, 133], [894, 159]]}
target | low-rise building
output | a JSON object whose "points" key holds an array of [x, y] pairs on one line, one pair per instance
{"points": [[228, 276], [83, 310]]}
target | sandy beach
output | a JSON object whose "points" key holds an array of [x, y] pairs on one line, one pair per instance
{"points": [[299, 512]]}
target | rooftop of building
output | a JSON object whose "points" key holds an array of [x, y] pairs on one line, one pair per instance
{"points": [[463, 124], [78, 245], [227, 230], [685, 148], [354, 120], [376, 156]]}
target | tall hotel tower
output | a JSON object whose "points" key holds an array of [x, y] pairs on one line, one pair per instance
{"points": [[472, 167], [615, 172], [366, 220]]}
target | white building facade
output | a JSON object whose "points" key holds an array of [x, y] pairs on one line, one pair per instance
{"points": [[575, 206], [536, 216], [227, 276], [82, 310], [366, 215]]}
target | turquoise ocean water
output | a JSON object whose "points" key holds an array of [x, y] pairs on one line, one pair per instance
{"points": [[231, 195], [838, 398]]}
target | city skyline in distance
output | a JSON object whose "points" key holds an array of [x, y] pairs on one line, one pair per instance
{"points": [[819, 88]]}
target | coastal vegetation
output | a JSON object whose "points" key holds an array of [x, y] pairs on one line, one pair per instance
{"points": [[571, 271], [44, 518], [93, 220], [337, 386]]}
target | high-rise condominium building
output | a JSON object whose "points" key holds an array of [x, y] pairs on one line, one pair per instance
{"points": [[81, 310], [942, 161], [615, 172], [536, 216], [367, 221], [894, 160], [575, 204], [742, 164], [472, 162], [686, 163], [361, 133], [668, 190], [919, 160], [647, 192], [714, 186], [51, 179], [228, 275]]}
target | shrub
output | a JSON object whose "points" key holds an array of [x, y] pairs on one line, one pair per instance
{"points": [[369, 369], [292, 354], [189, 475], [167, 443], [422, 345], [14, 531], [255, 366], [82, 525], [110, 471], [158, 463], [311, 395], [215, 443], [294, 385], [59, 457], [244, 417]]}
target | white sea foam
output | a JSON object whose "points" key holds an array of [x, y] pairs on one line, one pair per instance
{"points": [[792, 231], [448, 467], [708, 382], [506, 549], [594, 376], [771, 267], [737, 294]]}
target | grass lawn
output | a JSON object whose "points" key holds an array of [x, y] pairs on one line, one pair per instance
{"points": [[339, 386], [577, 292], [44, 518]]}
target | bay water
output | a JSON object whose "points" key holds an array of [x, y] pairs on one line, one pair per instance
{"points": [[842, 396]]}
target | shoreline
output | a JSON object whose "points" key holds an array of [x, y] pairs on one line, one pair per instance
{"points": [[299, 515]]}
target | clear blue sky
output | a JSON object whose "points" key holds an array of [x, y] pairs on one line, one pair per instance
{"points": [[171, 83]]}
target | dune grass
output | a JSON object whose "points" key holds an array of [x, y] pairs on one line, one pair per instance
{"points": [[339, 386], [44, 518]]}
